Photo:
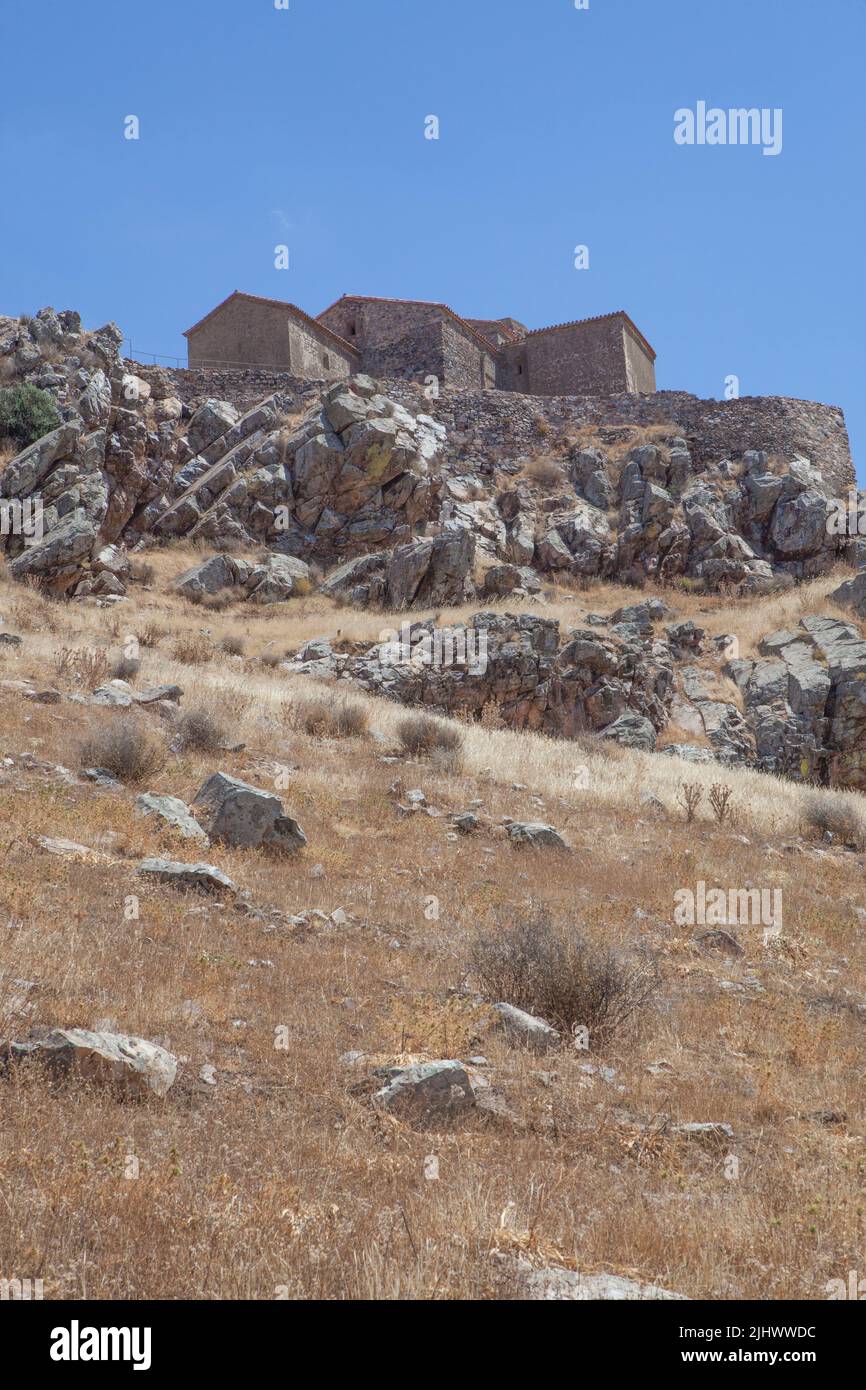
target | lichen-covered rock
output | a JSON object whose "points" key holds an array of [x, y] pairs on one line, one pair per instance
{"points": [[242, 815], [133, 1066]]}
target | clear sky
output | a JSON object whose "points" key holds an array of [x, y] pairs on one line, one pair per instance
{"points": [[306, 127]]}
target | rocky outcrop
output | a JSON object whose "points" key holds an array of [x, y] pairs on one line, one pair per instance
{"points": [[412, 494]]}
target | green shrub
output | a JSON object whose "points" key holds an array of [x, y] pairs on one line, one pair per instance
{"points": [[26, 413]]}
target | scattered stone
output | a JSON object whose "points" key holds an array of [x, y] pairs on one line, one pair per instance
{"points": [[431, 1088], [206, 878], [526, 1028], [535, 833], [172, 812]]}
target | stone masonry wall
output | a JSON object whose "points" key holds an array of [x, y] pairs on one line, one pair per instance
{"points": [[640, 369], [242, 331], [582, 359], [507, 424], [314, 355]]}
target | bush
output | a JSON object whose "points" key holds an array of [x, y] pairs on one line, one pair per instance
{"points": [[26, 413], [270, 659], [421, 735], [126, 748], [340, 718], [833, 812], [545, 473], [233, 644], [192, 648], [555, 973], [199, 731], [126, 668]]}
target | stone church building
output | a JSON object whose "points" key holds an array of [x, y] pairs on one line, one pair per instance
{"points": [[417, 339]]}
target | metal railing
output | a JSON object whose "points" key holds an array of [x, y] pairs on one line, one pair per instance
{"points": [[205, 364]]}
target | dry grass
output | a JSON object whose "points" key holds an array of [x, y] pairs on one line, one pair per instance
{"points": [[282, 1176]]}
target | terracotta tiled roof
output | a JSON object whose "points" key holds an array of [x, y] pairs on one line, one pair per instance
{"points": [[277, 304], [596, 318], [428, 303]]}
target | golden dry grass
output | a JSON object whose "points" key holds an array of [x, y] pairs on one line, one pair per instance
{"points": [[282, 1177]]}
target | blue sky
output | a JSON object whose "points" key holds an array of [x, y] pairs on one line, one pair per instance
{"points": [[305, 127]]}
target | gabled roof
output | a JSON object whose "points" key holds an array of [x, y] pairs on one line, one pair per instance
{"points": [[596, 318], [427, 303], [277, 304]]}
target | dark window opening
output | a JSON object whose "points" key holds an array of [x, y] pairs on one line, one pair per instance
{"points": [[326, 361]]}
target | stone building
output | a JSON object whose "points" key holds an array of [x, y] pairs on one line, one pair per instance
{"points": [[414, 339]]}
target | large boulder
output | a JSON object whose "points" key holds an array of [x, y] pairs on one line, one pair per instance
{"points": [[431, 572], [131, 1065], [239, 814]]}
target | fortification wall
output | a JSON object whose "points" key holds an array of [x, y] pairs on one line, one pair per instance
{"points": [[577, 359], [507, 424]]}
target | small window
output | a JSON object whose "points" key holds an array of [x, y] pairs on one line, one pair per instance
{"points": [[326, 361], [352, 330], [519, 370]]}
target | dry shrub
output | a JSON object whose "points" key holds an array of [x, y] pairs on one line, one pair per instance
{"points": [[152, 634], [126, 668], [270, 659], [545, 472], [233, 644], [421, 736], [338, 718], [214, 603], [141, 573], [192, 648], [720, 802], [126, 748], [200, 732], [557, 974], [833, 813], [87, 666]]}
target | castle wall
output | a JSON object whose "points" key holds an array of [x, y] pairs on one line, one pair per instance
{"points": [[483, 424], [413, 341]]}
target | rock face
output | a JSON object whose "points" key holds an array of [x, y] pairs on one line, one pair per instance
{"points": [[273, 581], [520, 664], [239, 814], [131, 1065], [803, 711]]}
